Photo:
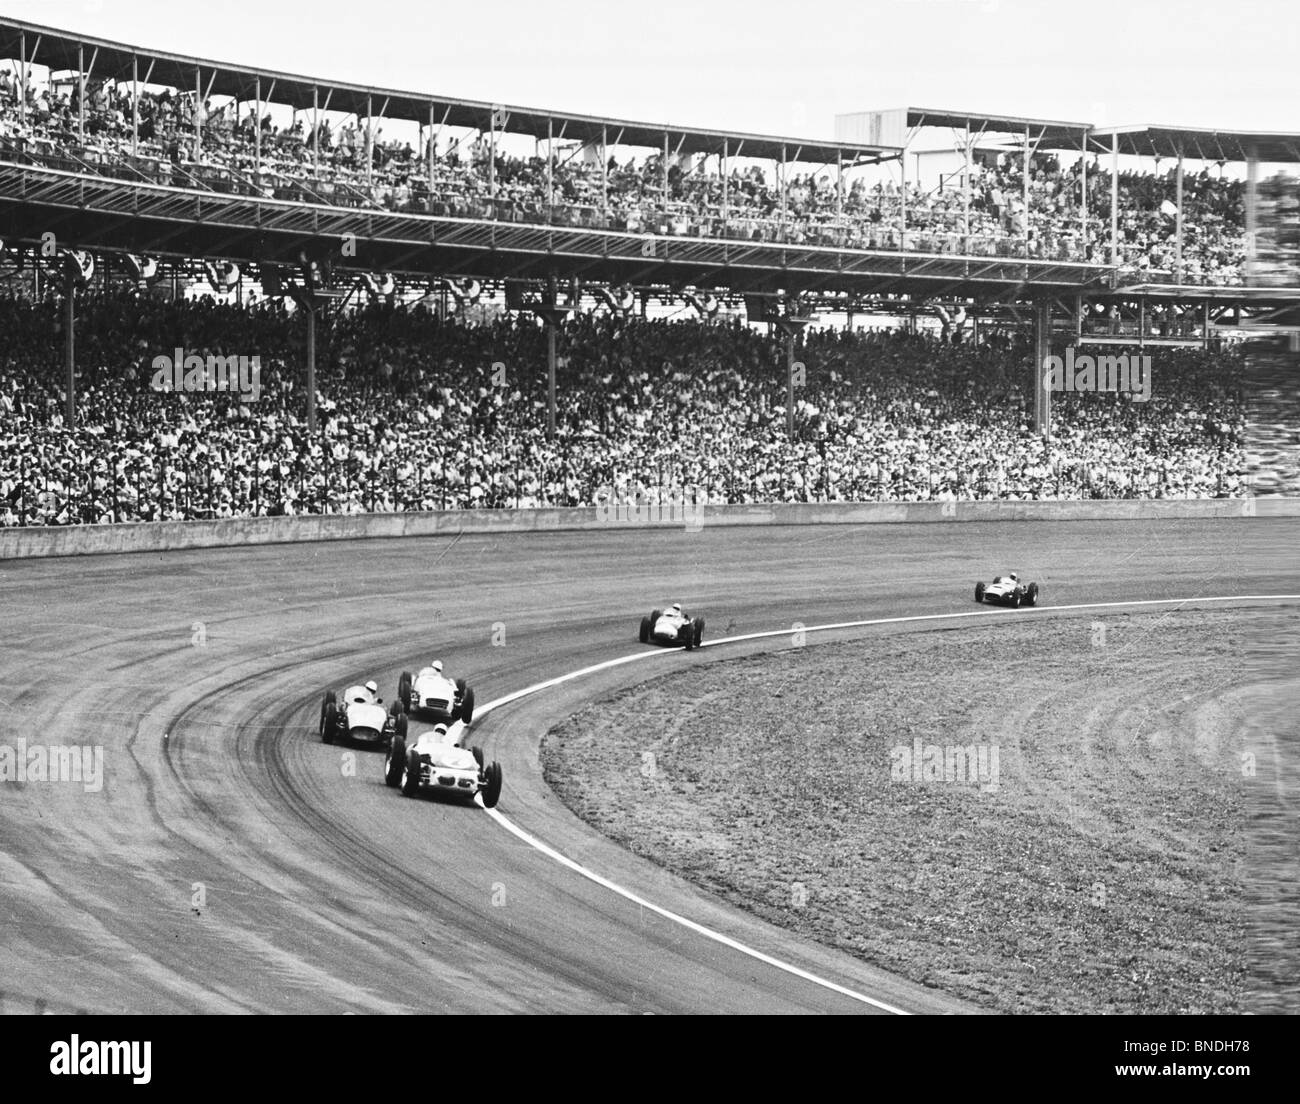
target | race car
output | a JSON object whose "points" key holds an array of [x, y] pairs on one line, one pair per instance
{"points": [[438, 761], [1007, 590], [672, 626], [359, 716], [432, 694]]}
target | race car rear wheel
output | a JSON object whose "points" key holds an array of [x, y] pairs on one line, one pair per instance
{"points": [[1031, 595], [1015, 599], [329, 722], [411, 774], [644, 634], [466, 706], [492, 788], [328, 700], [395, 760], [404, 690], [699, 630], [979, 592], [399, 727]]}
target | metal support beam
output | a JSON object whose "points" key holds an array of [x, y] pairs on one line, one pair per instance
{"points": [[1083, 198], [70, 349], [1114, 199], [551, 326], [1178, 223], [311, 370], [1042, 348], [81, 97]]}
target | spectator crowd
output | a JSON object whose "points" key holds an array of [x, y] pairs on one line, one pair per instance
{"points": [[417, 413], [171, 137]]}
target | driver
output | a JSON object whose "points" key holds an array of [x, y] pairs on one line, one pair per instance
{"points": [[436, 666], [372, 688], [1014, 577], [676, 611]]}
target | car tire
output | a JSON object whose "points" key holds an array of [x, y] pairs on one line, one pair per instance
{"points": [[979, 592], [492, 788], [329, 699], [1015, 599], [399, 728], [404, 690], [699, 630], [394, 761], [477, 752], [467, 705], [689, 635], [644, 634], [329, 722], [654, 618], [1031, 595], [411, 774]]}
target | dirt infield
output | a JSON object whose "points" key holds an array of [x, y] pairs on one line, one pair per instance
{"points": [[1077, 815]]}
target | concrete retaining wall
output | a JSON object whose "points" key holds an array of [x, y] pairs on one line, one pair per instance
{"points": [[83, 540]]}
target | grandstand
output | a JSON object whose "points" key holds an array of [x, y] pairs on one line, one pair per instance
{"points": [[659, 297]]}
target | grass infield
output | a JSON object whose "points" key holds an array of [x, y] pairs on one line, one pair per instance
{"points": [[1122, 839]]}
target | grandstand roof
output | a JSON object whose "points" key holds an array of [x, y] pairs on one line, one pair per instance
{"points": [[1204, 145], [63, 51], [891, 126]]}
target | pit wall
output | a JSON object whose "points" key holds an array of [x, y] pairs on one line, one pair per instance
{"points": [[162, 536]]}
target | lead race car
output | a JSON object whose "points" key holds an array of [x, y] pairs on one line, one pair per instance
{"points": [[359, 716], [672, 626], [1007, 590], [438, 761], [435, 696]]}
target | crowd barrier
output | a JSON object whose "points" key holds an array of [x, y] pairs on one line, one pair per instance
{"points": [[163, 536]]}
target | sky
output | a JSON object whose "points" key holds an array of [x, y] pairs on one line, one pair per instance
{"points": [[784, 69]]}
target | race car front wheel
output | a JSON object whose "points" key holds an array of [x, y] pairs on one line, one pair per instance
{"points": [[328, 722], [492, 789], [394, 761], [411, 774]]}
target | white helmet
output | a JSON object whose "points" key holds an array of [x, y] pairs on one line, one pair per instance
{"points": [[372, 686], [677, 607], [1014, 577], [440, 730], [436, 665]]}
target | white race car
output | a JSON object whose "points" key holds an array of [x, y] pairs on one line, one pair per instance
{"points": [[1007, 590], [433, 694], [359, 716], [438, 761], [671, 626]]}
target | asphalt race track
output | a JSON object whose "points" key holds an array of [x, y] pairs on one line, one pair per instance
{"points": [[234, 863]]}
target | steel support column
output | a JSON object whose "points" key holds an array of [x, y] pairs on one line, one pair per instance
{"points": [[70, 349], [311, 371], [1042, 348], [1114, 199], [1178, 223]]}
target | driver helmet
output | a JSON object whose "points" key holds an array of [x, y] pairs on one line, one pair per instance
{"points": [[677, 607], [1014, 577], [436, 665], [440, 730], [372, 686]]}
